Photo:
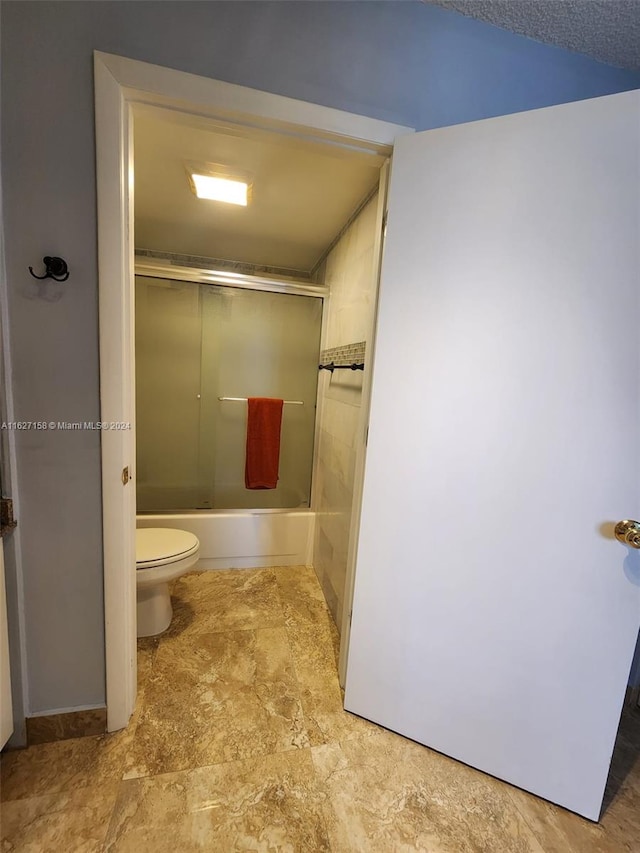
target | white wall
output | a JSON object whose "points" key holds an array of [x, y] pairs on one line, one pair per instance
{"points": [[349, 274], [409, 63]]}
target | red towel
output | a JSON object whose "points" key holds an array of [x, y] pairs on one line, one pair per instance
{"points": [[264, 420]]}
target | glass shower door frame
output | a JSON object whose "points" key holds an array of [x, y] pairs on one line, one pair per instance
{"points": [[272, 284], [239, 281]]}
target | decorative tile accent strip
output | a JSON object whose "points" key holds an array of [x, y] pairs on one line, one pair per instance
{"points": [[199, 262], [65, 726], [346, 354]]}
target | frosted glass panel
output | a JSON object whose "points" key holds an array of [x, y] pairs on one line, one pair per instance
{"points": [[258, 344], [168, 343], [229, 343]]}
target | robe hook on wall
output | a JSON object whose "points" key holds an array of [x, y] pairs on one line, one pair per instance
{"points": [[55, 268]]}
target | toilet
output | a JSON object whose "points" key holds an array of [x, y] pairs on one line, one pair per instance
{"points": [[162, 555]]}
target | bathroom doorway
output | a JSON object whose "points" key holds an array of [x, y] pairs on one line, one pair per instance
{"points": [[229, 305], [123, 86]]}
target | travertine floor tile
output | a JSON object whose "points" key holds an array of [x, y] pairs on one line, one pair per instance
{"points": [[621, 819], [147, 648], [88, 763], [218, 697], [618, 831], [75, 820], [389, 795], [324, 715], [298, 585], [237, 599], [230, 699], [307, 617], [265, 804], [560, 831], [315, 644]]}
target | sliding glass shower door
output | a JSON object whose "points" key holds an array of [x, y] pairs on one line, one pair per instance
{"points": [[168, 344], [196, 344]]}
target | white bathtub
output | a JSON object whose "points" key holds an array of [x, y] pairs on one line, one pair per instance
{"points": [[244, 539]]}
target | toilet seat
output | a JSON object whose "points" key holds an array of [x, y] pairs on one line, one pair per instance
{"points": [[162, 546]]}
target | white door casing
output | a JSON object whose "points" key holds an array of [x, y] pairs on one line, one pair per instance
{"points": [[495, 616], [114, 166]]}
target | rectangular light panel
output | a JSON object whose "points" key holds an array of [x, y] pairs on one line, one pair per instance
{"points": [[221, 189]]}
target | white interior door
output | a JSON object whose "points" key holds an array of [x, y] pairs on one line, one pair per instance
{"points": [[495, 616]]}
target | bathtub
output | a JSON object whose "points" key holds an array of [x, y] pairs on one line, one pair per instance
{"points": [[244, 539]]}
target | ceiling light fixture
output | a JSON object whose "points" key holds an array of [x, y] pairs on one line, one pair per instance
{"points": [[221, 189], [218, 184]]}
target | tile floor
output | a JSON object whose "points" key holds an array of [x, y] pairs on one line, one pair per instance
{"points": [[239, 743]]}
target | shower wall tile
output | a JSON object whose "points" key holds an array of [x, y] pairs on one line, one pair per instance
{"points": [[346, 388], [340, 420], [342, 459], [331, 597], [349, 273], [339, 461]]}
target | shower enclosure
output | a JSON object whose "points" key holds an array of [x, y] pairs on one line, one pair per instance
{"points": [[197, 344]]}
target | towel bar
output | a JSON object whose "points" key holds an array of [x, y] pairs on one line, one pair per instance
{"points": [[244, 400], [331, 366]]}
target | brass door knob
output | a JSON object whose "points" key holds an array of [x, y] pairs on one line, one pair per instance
{"points": [[628, 532]]}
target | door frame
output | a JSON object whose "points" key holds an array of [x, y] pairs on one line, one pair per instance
{"points": [[10, 546], [121, 83], [363, 426]]}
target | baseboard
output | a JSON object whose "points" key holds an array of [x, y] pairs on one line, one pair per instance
{"points": [[51, 727]]}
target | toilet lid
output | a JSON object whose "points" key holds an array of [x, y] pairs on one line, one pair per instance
{"points": [[158, 545]]}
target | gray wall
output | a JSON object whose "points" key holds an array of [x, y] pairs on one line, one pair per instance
{"points": [[10, 542], [406, 62]]}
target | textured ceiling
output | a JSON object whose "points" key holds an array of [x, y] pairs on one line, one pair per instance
{"points": [[607, 30]]}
